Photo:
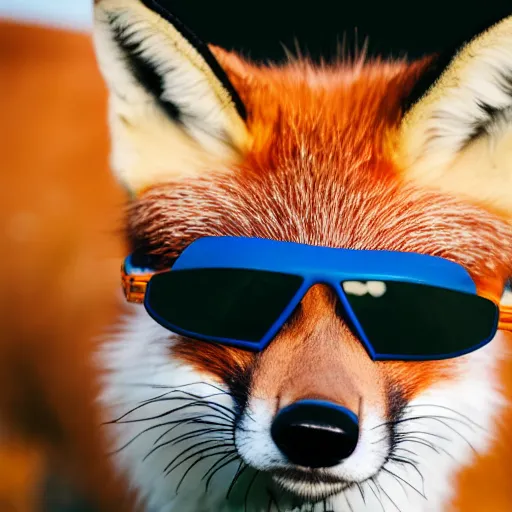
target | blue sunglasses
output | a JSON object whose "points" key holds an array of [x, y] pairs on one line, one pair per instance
{"points": [[240, 292]]}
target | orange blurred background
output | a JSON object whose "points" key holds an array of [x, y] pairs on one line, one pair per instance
{"points": [[60, 244]]}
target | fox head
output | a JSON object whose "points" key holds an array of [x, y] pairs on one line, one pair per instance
{"points": [[411, 157]]}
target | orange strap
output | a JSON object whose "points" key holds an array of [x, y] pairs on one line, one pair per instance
{"points": [[506, 317], [134, 285]]}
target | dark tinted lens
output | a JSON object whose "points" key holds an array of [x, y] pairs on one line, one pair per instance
{"points": [[226, 303], [417, 320]]}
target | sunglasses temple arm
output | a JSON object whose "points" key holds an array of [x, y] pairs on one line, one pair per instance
{"points": [[505, 322], [134, 286]]}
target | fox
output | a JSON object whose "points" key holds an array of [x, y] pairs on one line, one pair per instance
{"points": [[378, 155], [365, 155]]}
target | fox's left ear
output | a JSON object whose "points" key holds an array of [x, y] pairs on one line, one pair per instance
{"points": [[173, 111], [457, 137]]}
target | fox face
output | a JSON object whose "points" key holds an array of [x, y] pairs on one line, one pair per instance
{"points": [[374, 155]]}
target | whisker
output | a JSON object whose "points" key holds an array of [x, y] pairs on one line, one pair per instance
{"points": [[172, 465], [375, 493], [273, 500], [140, 405], [256, 473], [171, 442], [394, 423], [346, 499], [361, 492], [158, 416], [241, 468], [405, 450], [467, 418], [269, 506], [218, 426], [436, 448], [456, 432], [437, 418], [229, 413], [409, 462], [197, 420], [194, 433], [176, 423], [181, 386], [186, 394], [213, 471], [182, 479], [416, 440], [403, 481], [219, 408], [424, 433], [389, 498]]}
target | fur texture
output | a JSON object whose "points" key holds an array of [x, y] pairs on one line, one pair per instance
{"points": [[155, 73], [458, 137], [157, 399], [323, 158]]}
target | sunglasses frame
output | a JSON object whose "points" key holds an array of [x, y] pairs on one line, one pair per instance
{"points": [[316, 265]]}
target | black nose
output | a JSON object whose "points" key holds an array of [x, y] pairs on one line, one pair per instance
{"points": [[315, 434]]}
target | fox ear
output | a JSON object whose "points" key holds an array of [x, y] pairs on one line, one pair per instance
{"points": [[173, 111], [457, 136]]}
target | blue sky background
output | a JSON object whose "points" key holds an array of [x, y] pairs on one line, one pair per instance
{"points": [[67, 13]]}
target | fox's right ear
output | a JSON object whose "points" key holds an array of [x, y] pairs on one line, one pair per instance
{"points": [[173, 111], [456, 134]]}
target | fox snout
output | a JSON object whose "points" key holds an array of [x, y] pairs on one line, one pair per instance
{"points": [[315, 380], [317, 357]]}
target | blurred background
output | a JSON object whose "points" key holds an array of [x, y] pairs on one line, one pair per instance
{"points": [[61, 216], [75, 15]]}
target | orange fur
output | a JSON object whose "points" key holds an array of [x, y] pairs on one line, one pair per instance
{"points": [[320, 171]]}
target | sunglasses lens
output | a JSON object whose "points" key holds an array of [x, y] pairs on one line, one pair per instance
{"points": [[416, 320], [232, 304]]}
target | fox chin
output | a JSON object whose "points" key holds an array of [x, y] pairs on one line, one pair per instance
{"points": [[412, 157]]}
